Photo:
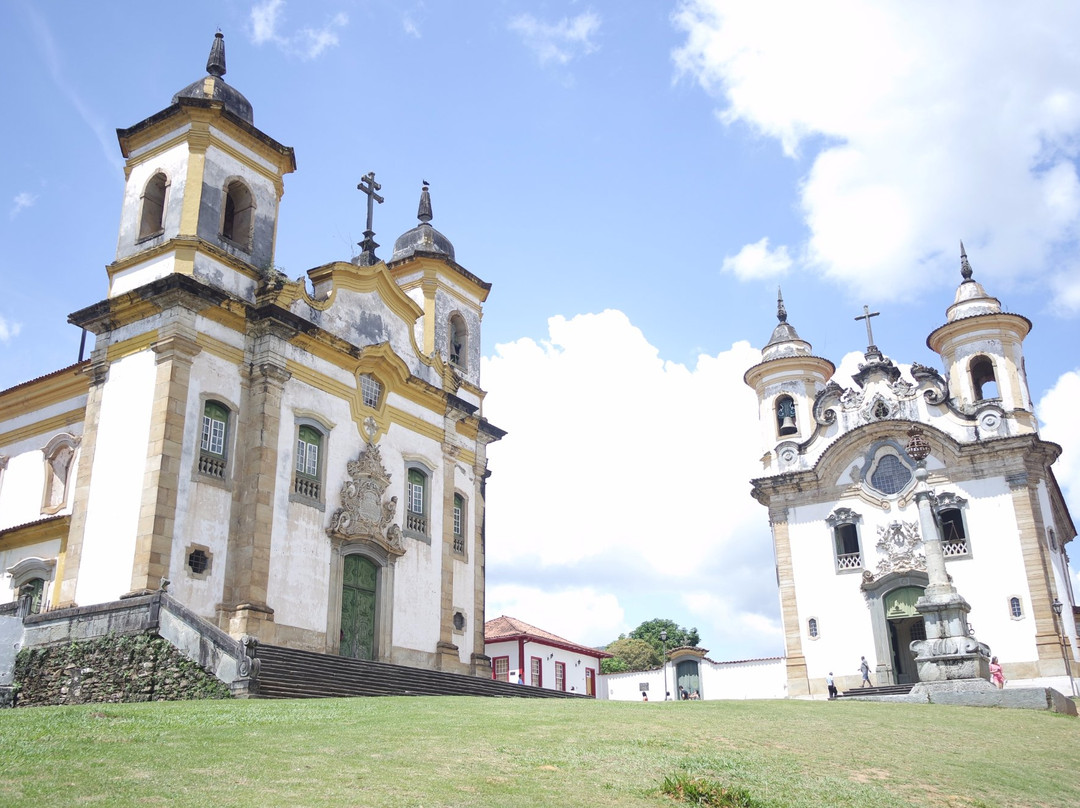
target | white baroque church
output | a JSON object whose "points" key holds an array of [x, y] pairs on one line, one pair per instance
{"points": [[303, 461], [839, 486]]}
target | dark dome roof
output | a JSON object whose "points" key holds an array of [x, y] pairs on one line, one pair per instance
{"points": [[423, 238], [214, 87]]}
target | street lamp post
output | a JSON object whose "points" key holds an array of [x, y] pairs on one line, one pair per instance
{"points": [[1057, 607], [663, 643]]}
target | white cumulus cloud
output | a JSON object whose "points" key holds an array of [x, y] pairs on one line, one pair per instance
{"points": [[558, 42], [630, 480], [924, 123], [756, 261]]}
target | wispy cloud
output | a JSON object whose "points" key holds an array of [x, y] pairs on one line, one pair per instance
{"points": [[54, 63], [308, 42], [22, 201], [558, 42], [8, 330], [264, 21]]}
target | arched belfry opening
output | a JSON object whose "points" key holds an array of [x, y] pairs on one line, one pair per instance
{"points": [[239, 215], [983, 380], [785, 416], [152, 218], [458, 341]]}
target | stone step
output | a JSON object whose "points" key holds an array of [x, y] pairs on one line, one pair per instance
{"points": [[880, 690], [291, 673]]}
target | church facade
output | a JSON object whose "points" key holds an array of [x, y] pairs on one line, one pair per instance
{"points": [[303, 460], [839, 486]]}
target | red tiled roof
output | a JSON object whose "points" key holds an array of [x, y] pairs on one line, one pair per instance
{"points": [[510, 628]]}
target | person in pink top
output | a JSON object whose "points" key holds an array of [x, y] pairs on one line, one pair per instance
{"points": [[997, 675]]}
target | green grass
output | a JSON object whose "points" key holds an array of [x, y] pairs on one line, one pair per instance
{"points": [[507, 752]]}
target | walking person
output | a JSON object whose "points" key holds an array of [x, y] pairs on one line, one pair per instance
{"points": [[832, 686], [864, 669]]}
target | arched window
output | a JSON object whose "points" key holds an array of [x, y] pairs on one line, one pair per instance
{"points": [[30, 578], [307, 482], [1016, 609], [983, 380], [59, 459], [459, 524], [213, 446], [151, 222], [458, 341], [416, 501], [785, 416], [844, 523], [1051, 539], [239, 215], [812, 628]]}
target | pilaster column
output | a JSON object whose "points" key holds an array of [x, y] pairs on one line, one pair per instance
{"points": [[798, 683], [1029, 523], [98, 371], [157, 513], [447, 649], [244, 609]]}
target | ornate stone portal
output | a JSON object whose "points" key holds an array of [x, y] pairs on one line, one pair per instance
{"points": [[363, 514]]}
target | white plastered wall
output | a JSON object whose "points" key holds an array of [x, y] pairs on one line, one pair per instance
{"points": [[116, 484]]}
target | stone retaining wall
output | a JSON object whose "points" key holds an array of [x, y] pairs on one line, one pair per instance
{"points": [[129, 668]]}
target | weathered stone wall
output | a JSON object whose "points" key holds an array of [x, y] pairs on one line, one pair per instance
{"points": [[114, 669]]}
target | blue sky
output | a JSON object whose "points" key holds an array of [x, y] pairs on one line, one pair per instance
{"points": [[634, 179]]}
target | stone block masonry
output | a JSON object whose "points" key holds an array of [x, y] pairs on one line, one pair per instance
{"points": [[111, 670]]}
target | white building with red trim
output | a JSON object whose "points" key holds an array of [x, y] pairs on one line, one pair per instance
{"points": [[523, 653]]}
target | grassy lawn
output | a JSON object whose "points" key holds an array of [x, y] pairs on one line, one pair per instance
{"points": [[507, 752]]}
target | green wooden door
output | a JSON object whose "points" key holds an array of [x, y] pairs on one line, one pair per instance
{"points": [[358, 608], [686, 676]]}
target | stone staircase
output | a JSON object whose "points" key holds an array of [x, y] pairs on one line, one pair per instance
{"points": [[286, 673], [882, 690]]}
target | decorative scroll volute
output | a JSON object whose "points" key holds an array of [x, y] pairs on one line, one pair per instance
{"points": [[363, 513]]}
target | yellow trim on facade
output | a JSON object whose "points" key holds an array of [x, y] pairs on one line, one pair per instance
{"points": [[200, 121], [132, 345], [60, 421], [47, 529], [222, 350], [184, 249], [34, 396]]}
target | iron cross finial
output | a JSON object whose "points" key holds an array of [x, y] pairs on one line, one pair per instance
{"points": [[368, 186], [866, 315]]}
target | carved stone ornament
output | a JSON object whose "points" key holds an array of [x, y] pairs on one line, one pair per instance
{"points": [[851, 399], [898, 543], [363, 514]]}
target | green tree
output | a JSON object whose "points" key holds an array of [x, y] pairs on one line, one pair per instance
{"points": [[630, 654], [649, 631]]}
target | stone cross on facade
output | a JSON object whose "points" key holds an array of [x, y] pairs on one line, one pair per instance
{"points": [[866, 315], [369, 187]]}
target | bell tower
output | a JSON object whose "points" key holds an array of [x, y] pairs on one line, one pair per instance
{"points": [[202, 190], [787, 380], [981, 348]]}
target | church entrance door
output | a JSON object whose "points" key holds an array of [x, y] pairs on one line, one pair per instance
{"points": [[905, 625], [358, 607], [686, 675]]}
